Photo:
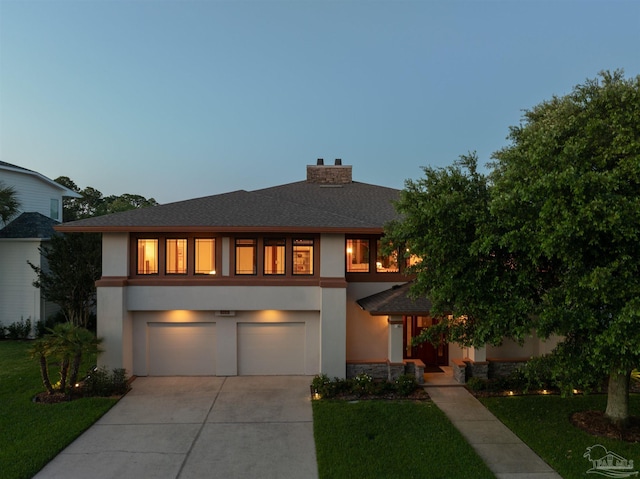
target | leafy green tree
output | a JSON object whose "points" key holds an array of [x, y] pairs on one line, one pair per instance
{"points": [[547, 241], [74, 264], [9, 204]]}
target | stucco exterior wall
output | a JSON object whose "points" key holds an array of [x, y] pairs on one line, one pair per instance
{"points": [[115, 254], [367, 336]]}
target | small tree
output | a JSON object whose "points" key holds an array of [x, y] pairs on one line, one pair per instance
{"points": [[74, 264]]}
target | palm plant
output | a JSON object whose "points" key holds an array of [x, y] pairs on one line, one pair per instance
{"points": [[9, 204], [68, 344]]}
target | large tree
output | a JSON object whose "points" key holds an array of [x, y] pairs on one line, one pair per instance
{"points": [[549, 240]]}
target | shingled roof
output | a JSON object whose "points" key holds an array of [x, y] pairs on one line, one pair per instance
{"points": [[300, 206], [395, 301], [29, 225]]}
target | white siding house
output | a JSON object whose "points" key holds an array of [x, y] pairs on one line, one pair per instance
{"points": [[40, 209]]}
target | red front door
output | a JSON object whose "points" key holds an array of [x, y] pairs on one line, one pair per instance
{"points": [[427, 352]]}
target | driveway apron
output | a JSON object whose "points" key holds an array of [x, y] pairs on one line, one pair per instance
{"points": [[198, 427]]}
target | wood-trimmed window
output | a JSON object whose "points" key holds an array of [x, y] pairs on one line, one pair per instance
{"points": [[386, 263], [205, 256], [147, 256], [274, 256], [303, 256], [358, 255], [176, 256], [246, 257]]}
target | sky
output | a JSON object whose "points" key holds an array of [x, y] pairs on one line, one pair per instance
{"points": [[174, 99]]}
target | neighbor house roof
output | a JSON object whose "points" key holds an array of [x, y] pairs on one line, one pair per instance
{"points": [[294, 207], [29, 225], [396, 300], [65, 191]]}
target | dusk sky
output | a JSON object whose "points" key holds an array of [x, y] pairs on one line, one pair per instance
{"points": [[182, 99]]}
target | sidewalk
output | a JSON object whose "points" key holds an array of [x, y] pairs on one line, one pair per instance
{"points": [[505, 454]]}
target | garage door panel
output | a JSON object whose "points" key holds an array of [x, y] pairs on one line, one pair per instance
{"points": [[271, 348], [182, 349]]}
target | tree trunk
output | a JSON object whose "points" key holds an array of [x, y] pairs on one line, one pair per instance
{"points": [[618, 398], [75, 368], [44, 372], [64, 371]]}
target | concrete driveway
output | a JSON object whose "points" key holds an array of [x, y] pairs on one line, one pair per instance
{"points": [[198, 427]]}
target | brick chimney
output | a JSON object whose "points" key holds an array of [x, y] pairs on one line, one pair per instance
{"points": [[337, 174]]}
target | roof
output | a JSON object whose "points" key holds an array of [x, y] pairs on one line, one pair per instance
{"points": [[294, 207], [65, 191], [396, 300], [29, 225]]}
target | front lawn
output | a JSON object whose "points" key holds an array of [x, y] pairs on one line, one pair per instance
{"points": [[32, 434], [390, 439], [543, 423]]}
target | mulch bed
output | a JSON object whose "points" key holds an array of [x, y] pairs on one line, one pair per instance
{"points": [[596, 424], [418, 395]]}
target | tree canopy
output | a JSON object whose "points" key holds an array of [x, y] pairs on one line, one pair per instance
{"points": [[93, 203], [547, 240], [9, 203]]}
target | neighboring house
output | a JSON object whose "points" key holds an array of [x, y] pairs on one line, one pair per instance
{"points": [[40, 209], [283, 280]]}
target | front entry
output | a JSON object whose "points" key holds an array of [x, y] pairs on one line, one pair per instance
{"points": [[429, 354]]}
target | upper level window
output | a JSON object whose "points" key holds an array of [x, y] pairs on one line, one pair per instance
{"points": [[274, 256], [176, 256], [147, 256], [303, 256], [205, 256], [357, 255], [246, 256], [54, 209], [386, 264]]}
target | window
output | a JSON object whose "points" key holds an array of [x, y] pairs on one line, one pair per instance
{"points": [[245, 256], [176, 256], [274, 256], [205, 256], [54, 209], [147, 256], [303, 256], [357, 256], [386, 264]]}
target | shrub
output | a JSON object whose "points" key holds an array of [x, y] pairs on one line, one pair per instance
{"points": [[19, 330], [362, 384], [406, 384], [101, 382], [477, 384], [45, 327]]}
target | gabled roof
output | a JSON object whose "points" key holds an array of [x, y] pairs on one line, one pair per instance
{"points": [[294, 207], [395, 301], [66, 192], [29, 225]]}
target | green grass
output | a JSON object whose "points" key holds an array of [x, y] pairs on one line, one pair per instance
{"points": [[32, 434], [543, 423], [390, 439]]}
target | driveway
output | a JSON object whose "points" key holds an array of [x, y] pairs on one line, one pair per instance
{"points": [[198, 427]]}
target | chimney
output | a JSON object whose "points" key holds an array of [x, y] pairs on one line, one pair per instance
{"points": [[322, 174]]}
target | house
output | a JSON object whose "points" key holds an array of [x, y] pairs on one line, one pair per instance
{"points": [[40, 210], [283, 280]]}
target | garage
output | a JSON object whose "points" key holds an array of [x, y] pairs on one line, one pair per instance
{"points": [[271, 348], [182, 349]]}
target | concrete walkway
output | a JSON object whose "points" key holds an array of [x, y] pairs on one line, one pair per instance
{"points": [[505, 454], [198, 427]]}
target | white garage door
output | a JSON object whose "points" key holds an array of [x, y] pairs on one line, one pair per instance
{"points": [[182, 349], [271, 348]]}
